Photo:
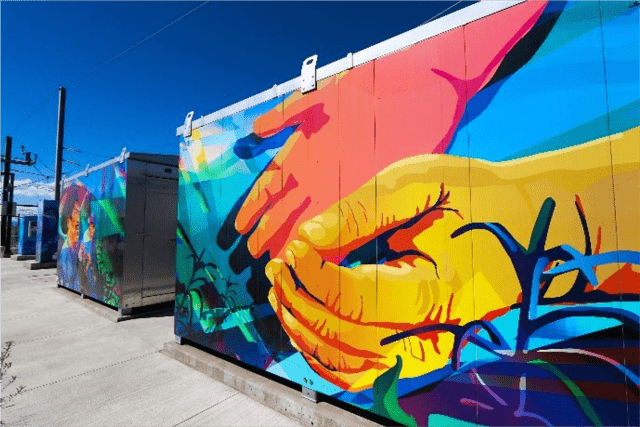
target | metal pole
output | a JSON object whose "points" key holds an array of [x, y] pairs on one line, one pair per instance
{"points": [[59, 143], [7, 252], [5, 227]]}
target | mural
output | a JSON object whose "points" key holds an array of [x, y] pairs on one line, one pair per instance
{"points": [[446, 235], [47, 235], [27, 235], [91, 233]]}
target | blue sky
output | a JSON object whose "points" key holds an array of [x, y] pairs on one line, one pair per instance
{"points": [[219, 54]]}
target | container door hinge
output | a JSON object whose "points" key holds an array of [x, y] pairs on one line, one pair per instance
{"points": [[186, 129], [308, 76]]}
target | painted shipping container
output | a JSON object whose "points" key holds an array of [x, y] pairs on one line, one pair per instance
{"points": [[117, 231], [445, 231], [27, 235], [47, 239]]}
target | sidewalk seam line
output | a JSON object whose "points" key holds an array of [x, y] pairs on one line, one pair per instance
{"points": [[205, 410], [56, 335], [88, 372], [34, 315]]}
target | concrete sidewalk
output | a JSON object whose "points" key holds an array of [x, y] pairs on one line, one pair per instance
{"points": [[81, 369]]}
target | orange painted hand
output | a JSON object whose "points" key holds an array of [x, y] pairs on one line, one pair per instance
{"points": [[418, 99], [336, 316]]}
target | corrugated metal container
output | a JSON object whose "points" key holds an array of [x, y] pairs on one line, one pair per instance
{"points": [[117, 228]]}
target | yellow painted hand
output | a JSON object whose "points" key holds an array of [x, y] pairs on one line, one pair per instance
{"points": [[336, 316]]}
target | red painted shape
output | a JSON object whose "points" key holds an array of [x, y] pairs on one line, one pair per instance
{"points": [[414, 99]]}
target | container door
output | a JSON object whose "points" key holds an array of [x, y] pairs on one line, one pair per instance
{"points": [[159, 236]]}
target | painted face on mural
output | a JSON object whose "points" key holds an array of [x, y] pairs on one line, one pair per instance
{"points": [[73, 225], [92, 229], [78, 212]]}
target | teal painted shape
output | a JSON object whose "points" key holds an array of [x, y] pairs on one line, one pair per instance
{"points": [[553, 333], [437, 420], [577, 19], [561, 94], [295, 368], [622, 119]]}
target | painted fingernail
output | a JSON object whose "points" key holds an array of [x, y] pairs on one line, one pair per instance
{"points": [[270, 273], [314, 231], [273, 301], [252, 245], [291, 257]]}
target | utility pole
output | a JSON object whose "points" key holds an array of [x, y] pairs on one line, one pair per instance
{"points": [[7, 193], [5, 227], [59, 144], [7, 249]]}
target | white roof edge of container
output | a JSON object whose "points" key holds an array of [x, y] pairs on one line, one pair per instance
{"points": [[120, 158], [446, 23]]}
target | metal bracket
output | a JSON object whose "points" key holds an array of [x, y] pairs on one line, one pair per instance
{"points": [[178, 339], [124, 311], [186, 129], [86, 170], [122, 153], [309, 394], [308, 76], [349, 60]]}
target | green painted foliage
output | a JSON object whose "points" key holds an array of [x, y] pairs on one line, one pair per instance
{"points": [[385, 396]]}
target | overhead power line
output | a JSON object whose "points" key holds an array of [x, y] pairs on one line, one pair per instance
{"points": [[33, 113], [73, 163], [32, 173], [46, 167], [73, 150], [435, 16], [43, 173], [124, 52], [32, 182]]}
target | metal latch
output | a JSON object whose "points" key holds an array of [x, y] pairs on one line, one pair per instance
{"points": [[310, 394], [308, 75], [349, 60], [122, 154], [186, 129]]}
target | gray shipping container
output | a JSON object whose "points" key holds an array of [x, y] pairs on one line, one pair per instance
{"points": [[117, 231]]}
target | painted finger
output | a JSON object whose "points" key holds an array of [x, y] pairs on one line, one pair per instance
{"points": [[295, 109], [262, 194], [349, 381], [332, 358], [276, 224], [358, 340], [407, 190], [421, 355], [350, 293]]}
